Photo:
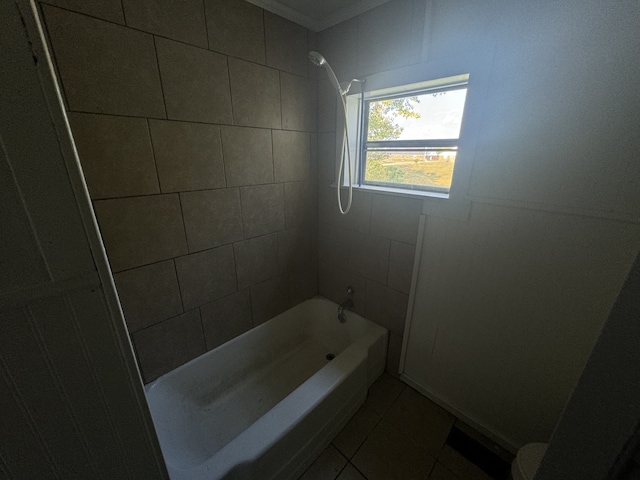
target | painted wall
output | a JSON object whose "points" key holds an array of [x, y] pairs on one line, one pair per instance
{"points": [[514, 288], [597, 436], [195, 124]]}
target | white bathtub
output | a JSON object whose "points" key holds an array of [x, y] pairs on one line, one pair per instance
{"points": [[265, 404]]}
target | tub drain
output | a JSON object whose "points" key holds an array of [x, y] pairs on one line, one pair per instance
{"points": [[330, 356]]}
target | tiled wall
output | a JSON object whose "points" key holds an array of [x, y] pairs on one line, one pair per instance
{"points": [[195, 123], [371, 248]]}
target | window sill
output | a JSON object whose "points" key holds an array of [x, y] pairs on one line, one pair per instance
{"points": [[400, 192], [433, 204]]}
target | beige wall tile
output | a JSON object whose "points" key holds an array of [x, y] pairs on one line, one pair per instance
{"points": [[211, 218], [195, 83], [295, 250], [358, 218], [299, 97], [303, 284], [236, 29], [286, 44], [110, 10], [369, 256], [256, 260], [226, 318], [169, 344], [116, 155], [334, 245], [386, 306], [327, 165], [291, 156], [188, 155], [262, 209], [401, 266], [141, 230], [149, 294], [269, 298], [396, 218], [255, 92], [182, 20], [248, 155], [299, 204], [327, 105], [333, 283], [206, 276], [105, 68]]}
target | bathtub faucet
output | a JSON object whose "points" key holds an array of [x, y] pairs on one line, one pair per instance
{"points": [[346, 303]]}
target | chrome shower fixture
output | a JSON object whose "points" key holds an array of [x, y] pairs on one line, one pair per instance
{"points": [[318, 60]]}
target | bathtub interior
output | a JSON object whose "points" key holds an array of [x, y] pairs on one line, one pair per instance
{"points": [[201, 407]]}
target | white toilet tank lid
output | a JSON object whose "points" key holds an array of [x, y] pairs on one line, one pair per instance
{"points": [[529, 457]]}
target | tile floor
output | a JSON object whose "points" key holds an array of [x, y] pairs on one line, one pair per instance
{"points": [[397, 434]]}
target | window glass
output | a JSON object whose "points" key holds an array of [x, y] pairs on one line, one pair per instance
{"points": [[411, 141]]}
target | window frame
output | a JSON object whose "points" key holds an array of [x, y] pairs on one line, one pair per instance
{"points": [[358, 131]]}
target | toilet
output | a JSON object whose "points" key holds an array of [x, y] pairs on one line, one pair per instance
{"points": [[527, 460]]}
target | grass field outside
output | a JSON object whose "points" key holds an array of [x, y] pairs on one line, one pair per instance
{"points": [[412, 169]]}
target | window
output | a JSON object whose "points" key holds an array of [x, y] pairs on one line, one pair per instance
{"points": [[408, 136]]}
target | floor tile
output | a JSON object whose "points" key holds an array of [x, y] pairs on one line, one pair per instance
{"points": [[440, 472], [420, 420], [459, 465], [326, 467], [350, 473], [389, 453], [384, 392], [356, 431]]}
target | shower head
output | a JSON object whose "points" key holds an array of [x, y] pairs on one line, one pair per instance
{"points": [[320, 61], [317, 59]]}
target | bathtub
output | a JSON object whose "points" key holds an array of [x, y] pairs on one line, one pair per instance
{"points": [[265, 404]]}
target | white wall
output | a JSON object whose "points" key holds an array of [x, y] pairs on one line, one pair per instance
{"points": [[593, 440], [510, 301]]}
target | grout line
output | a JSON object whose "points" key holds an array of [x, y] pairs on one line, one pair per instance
{"points": [[264, 36], [204, 336], [175, 269], [206, 23], [273, 160], [155, 162], [155, 34], [224, 166], [164, 101], [184, 227], [233, 118], [244, 237], [357, 469], [146, 195], [177, 120], [124, 13]]}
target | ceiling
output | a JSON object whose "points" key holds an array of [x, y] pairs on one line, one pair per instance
{"points": [[317, 14]]}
